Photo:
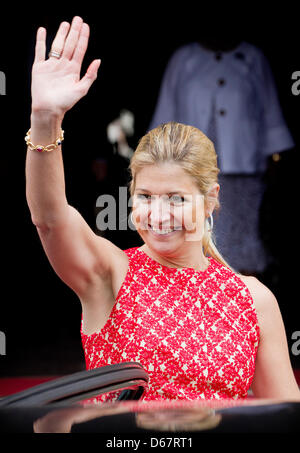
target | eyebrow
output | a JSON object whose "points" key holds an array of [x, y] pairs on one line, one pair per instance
{"points": [[168, 193]]}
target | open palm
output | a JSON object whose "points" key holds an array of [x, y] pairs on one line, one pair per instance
{"points": [[56, 85]]}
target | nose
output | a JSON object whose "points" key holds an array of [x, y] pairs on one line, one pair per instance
{"points": [[160, 213]]}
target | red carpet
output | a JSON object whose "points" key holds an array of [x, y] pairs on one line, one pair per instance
{"points": [[17, 384]]}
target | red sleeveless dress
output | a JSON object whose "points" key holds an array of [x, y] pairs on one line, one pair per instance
{"points": [[194, 332]]}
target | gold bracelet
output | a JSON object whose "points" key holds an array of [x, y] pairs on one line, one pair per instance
{"points": [[41, 148]]}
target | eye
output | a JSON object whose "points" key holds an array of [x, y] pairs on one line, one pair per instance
{"points": [[143, 196], [176, 199]]}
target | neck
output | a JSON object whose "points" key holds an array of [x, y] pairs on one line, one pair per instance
{"points": [[196, 261]]}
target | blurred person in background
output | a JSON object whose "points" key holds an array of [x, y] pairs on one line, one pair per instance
{"points": [[225, 87]]}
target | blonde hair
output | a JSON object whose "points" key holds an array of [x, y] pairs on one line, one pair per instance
{"points": [[189, 147]]}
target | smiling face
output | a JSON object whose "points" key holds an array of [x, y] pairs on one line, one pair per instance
{"points": [[168, 210]]}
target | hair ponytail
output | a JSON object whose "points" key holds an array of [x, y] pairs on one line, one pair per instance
{"points": [[210, 249]]}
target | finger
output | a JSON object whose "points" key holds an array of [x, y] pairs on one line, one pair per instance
{"points": [[72, 39], [40, 45], [90, 76], [82, 44], [59, 40]]}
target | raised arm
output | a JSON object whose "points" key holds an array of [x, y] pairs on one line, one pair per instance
{"points": [[77, 254]]}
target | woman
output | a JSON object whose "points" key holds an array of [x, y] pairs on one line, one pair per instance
{"points": [[174, 305]]}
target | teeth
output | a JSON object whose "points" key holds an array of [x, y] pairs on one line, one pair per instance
{"points": [[161, 231]]}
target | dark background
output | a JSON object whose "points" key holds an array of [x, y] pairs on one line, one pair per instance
{"points": [[39, 315]]}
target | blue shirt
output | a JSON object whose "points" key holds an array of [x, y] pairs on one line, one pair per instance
{"points": [[240, 84]]}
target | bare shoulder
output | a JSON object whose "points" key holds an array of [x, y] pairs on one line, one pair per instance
{"points": [[118, 263], [273, 377], [263, 298], [100, 296], [117, 258], [267, 308]]}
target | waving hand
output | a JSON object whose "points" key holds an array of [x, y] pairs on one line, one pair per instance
{"points": [[56, 84]]}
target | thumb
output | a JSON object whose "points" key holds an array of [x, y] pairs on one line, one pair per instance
{"points": [[90, 76]]}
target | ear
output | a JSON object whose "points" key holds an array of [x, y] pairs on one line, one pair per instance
{"points": [[212, 198]]}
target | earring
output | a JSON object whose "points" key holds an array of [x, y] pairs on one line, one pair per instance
{"points": [[210, 223]]}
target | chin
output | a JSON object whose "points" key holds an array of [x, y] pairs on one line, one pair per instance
{"points": [[163, 245]]}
